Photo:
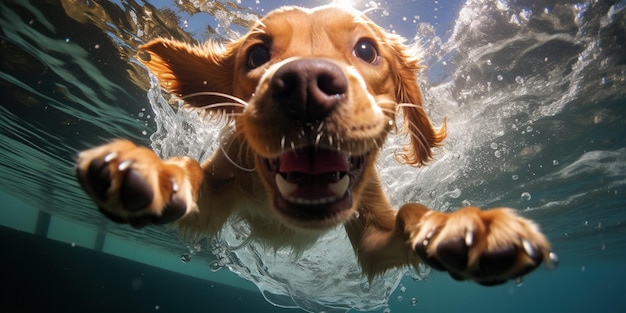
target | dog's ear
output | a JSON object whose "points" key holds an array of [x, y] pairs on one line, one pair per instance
{"points": [[187, 71], [423, 136]]}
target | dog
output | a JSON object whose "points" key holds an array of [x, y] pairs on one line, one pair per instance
{"points": [[312, 95]]}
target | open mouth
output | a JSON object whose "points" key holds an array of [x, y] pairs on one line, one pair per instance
{"points": [[313, 183]]}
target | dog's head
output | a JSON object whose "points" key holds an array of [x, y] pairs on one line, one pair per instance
{"points": [[321, 89]]}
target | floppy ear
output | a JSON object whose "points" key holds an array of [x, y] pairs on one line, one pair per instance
{"points": [[185, 70], [423, 136]]}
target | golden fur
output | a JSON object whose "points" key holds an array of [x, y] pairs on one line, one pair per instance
{"points": [[366, 76]]}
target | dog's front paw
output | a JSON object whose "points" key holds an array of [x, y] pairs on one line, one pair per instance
{"points": [[489, 247], [130, 184]]}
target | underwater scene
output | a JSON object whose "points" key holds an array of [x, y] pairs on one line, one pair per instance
{"points": [[533, 93]]}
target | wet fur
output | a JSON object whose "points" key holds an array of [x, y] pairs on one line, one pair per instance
{"points": [[204, 196]]}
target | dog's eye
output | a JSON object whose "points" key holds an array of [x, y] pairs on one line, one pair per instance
{"points": [[366, 51], [257, 56]]}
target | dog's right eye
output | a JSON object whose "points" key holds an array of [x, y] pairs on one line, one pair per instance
{"points": [[257, 56]]}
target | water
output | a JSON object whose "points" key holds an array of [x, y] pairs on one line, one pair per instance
{"points": [[534, 97]]}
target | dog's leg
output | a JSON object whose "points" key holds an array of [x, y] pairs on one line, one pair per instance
{"points": [[489, 246], [130, 184]]}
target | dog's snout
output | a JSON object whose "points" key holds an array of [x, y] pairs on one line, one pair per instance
{"points": [[309, 89]]}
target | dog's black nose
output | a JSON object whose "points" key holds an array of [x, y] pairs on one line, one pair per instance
{"points": [[309, 89]]}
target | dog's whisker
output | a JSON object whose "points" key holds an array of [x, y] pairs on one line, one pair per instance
{"points": [[410, 105], [235, 163], [216, 94], [220, 105]]}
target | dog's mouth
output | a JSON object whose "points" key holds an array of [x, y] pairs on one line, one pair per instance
{"points": [[313, 185]]}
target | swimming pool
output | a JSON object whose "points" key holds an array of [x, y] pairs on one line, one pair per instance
{"points": [[534, 97]]}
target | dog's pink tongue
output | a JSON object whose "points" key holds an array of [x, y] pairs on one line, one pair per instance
{"points": [[313, 161]]}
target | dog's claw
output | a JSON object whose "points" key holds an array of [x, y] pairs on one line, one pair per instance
{"points": [[135, 192], [110, 157], [420, 249]]}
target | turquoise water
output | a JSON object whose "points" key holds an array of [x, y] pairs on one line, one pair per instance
{"points": [[534, 93]]}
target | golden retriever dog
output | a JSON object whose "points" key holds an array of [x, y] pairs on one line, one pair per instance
{"points": [[312, 95]]}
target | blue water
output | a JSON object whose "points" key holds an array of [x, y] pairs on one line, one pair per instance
{"points": [[534, 93]]}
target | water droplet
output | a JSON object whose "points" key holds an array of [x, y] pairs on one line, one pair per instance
{"points": [[555, 162], [185, 257], [525, 196], [514, 177], [499, 77], [519, 282], [488, 62], [402, 289], [215, 266], [413, 301]]}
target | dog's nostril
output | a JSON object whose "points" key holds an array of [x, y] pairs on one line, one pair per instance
{"points": [[332, 84], [309, 88]]}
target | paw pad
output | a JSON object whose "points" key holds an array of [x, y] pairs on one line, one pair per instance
{"points": [[135, 192]]}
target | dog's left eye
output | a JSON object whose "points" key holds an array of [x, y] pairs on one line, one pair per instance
{"points": [[366, 51], [257, 56]]}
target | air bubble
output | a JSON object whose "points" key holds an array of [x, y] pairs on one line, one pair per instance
{"points": [[525, 196], [413, 301], [555, 162], [493, 146], [529, 129], [514, 177], [399, 298], [387, 310], [185, 257], [519, 282], [519, 80], [497, 154], [402, 289], [215, 266], [553, 261], [499, 78], [455, 193]]}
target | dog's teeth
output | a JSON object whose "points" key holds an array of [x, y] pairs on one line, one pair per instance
{"points": [[339, 188], [284, 187]]}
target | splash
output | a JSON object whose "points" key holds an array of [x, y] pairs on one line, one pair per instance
{"points": [[507, 69]]}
